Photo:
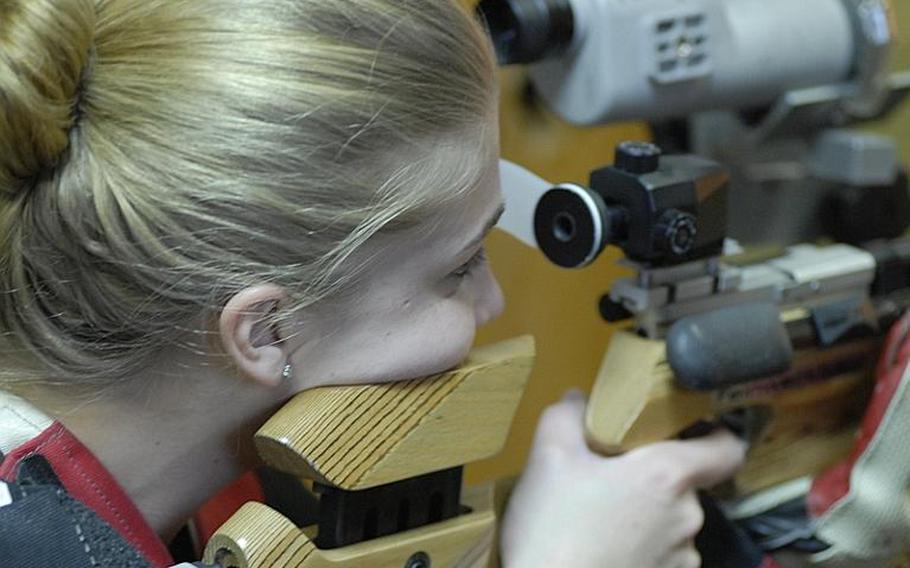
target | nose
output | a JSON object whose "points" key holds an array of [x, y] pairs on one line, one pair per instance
{"points": [[490, 302]]}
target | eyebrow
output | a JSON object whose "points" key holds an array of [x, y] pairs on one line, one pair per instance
{"points": [[491, 222]]}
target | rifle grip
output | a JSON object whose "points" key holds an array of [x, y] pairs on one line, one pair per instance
{"points": [[635, 399]]}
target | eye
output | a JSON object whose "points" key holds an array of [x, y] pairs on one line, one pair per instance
{"points": [[466, 269]]}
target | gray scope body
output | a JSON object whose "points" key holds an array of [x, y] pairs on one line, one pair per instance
{"points": [[596, 61]]}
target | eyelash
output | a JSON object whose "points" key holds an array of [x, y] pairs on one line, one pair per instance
{"points": [[470, 266]]}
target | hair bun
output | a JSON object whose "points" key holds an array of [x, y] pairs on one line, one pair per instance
{"points": [[45, 47]]}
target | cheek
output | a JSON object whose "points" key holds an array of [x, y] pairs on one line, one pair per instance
{"points": [[406, 343], [437, 342]]}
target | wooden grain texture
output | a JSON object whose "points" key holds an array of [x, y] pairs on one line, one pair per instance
{"points": [[259, 537], [462, 542], [256, 536], [636, 401], [362, 436]]}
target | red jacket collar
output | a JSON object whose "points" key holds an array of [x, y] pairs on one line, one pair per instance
{"points": [[87, 480]]}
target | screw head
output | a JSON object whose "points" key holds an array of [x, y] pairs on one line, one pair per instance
{"points": [[637, 157], [676, 232], [418, 560]]}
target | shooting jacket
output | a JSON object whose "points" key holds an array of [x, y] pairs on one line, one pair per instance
{"points": [[59, 506]]}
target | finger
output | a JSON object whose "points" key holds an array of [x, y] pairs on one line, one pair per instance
{"points": [[691, 516], [682, 555], [711, 459], [562, 423], [687, 556], [698, 462]]}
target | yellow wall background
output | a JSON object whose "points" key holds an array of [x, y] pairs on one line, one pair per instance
{"points": [[898, 125], [559, 307]]}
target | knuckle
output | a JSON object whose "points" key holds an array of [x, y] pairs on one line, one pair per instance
{"points": [[664, 476], [670, 480], [552, 419], [551, 415], [689, 558], [693, 519], [557, 419]]}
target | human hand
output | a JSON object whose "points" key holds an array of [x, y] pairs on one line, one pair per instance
{"points": [[575, 508]]}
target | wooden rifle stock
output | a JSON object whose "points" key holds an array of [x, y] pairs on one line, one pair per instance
{"points": [[360, 437], [813, 408]]}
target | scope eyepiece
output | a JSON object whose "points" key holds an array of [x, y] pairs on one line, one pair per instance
{"points": [[527, 31], [571, 225], [659, 211]]}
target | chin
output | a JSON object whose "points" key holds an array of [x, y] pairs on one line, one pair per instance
{"points": [[441, 363], [412, 362]]}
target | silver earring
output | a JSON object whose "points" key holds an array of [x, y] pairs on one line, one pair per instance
{"points": [[287, 372]]}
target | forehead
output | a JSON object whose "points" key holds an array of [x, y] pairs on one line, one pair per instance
{"points": [[442, 235], [463, 169], [462, 219], [470, 161]]}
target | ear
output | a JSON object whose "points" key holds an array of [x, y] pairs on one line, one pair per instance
{"points": [[249, 337]]}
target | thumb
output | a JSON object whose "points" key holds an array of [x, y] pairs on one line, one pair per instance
{"points": [[562, 423]]}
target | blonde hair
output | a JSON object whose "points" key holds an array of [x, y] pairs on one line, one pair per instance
{"points": [[158, 156]]}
